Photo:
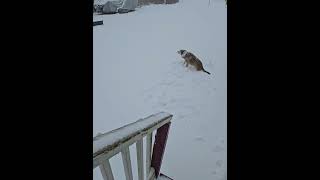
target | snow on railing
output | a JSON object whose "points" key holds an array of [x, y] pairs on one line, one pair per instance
{"points": [[111, 143]]}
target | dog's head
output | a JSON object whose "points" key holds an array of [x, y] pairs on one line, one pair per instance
{"points": [[182, 52]]}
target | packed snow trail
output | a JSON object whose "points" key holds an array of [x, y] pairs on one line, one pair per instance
{"points": [[137, 72]]}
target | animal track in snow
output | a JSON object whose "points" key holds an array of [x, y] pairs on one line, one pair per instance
{"points": [[217, 149], [162, 104], [219, 163], [214, 172], [199, 138]]}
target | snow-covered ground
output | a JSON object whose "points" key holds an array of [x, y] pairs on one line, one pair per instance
{"points": [[137, 72]]}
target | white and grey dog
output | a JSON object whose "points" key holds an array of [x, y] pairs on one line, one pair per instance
{"points": [[191, 59]]}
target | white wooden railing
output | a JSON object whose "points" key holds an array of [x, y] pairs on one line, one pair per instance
{"points": [[107, 145]]}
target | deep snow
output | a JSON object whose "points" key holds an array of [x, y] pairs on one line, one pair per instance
{"points": [[137, 72]]}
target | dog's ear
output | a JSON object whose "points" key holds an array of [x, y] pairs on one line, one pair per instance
{"points": [[181, 51]]}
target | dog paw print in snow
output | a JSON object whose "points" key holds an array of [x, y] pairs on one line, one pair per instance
{"points": [[219, 174], [162, 104], [218, 149], [221, 140], [219, 163], [199, 138]]}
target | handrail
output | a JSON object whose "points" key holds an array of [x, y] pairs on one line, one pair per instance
{"points": [[109, 144]]}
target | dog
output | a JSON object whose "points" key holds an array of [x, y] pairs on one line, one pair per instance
{"points": [[191, 59]]}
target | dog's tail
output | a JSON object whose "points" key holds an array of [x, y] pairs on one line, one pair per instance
{"points": [[205, 71]]}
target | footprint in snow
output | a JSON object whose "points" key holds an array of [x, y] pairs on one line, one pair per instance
{"points": [[219, 163], [201, 139], [218, 149], [214, 172], [162, 104]]}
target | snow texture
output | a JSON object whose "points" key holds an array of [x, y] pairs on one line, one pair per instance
{"points": [[137, 72]]}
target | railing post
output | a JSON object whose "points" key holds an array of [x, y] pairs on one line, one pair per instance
{"points": [[106, 171], [139, 146], [148, 154], [127, 163], [159, 147]]}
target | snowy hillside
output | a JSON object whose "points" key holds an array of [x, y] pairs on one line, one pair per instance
{"points": [[137, 72]]}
